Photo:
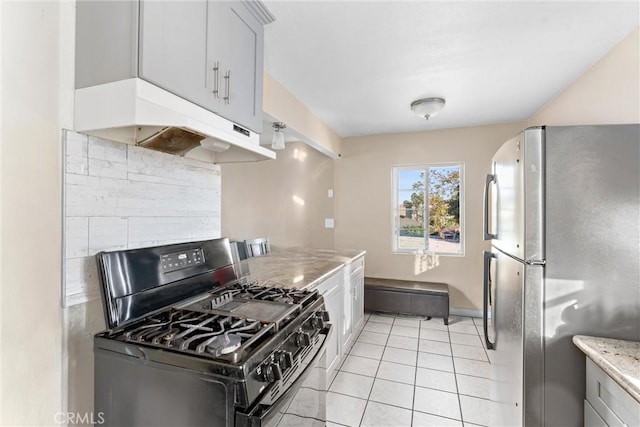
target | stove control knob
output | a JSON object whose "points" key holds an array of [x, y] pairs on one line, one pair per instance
{"points": [[317, 323], [303, 339], [324, 315], [271, 372], [285, 359]]}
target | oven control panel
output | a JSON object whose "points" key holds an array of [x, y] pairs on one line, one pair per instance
{"points": [[181, 260]]}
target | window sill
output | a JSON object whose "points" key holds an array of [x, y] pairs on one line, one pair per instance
{"points": [[457, 255]]}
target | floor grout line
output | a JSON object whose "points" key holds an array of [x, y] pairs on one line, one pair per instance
{"points": [[375, 377], [415, 375], [420, 326], [455, 378]]}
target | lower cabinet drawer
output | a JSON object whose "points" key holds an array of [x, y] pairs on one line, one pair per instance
{"points": [[330, 283], [614, 405], [591, 417]]}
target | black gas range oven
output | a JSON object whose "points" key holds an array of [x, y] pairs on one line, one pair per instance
{"points": [[192, 344]]}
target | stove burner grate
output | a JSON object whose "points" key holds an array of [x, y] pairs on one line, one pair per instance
{"points": [[206, 334], [254, 290]]}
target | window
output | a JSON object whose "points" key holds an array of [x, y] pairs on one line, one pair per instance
{"points": [[435, 226]]}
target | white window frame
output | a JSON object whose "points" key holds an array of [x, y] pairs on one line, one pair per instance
{"points": [[395, 202]]}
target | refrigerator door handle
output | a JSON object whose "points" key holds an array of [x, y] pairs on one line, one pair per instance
{"points": [[488, 236], [487, 295]]}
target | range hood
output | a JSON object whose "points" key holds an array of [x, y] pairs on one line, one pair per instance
{"points": [[137, 112]]}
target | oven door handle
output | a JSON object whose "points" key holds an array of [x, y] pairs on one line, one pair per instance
{"points": [[258, 414]]}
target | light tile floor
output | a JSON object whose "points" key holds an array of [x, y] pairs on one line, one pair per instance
{"points": [[408, 371]]}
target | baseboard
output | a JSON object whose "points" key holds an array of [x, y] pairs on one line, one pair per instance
{"points": [[467, 312]]}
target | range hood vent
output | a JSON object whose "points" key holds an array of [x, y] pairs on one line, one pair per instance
{"points": [[137, 112], [173, 141]]}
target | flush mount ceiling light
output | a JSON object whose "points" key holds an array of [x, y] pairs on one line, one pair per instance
{"points": [[427, 107], [277, 143]]}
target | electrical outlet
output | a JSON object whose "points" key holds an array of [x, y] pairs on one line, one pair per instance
{"points": [[328, 223], [330, 193]]}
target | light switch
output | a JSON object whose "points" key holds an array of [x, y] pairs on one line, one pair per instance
{"points": [[330, 193], [328, 223]]}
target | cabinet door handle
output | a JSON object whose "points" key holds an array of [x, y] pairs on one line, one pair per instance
{"points": [[216, 80], [227, 97]]}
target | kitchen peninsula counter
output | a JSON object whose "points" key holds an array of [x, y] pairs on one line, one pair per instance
{"points": [[300, 268], [619, 359]]}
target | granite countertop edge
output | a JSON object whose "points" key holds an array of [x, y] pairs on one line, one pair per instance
{"points": [[618, 358], [300, 268]]}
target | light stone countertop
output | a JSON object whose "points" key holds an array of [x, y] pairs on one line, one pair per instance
{"points": [[299, 268], [619, 359]]}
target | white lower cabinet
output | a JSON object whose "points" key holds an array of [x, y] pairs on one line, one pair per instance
{"points": [[343, 294], [607, 403], [356, 279], [332, 290], [591, 417], [347, 312]]}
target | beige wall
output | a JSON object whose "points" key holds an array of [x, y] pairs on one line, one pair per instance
{"points": [[363, 202], [283, 106], [608, 93], [258, 198], [31, 339]]}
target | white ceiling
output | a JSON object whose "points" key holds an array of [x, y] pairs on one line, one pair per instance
{"points": [[358, 65]]}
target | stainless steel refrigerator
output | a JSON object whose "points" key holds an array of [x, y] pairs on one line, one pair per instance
{"points": [[562, 211]]}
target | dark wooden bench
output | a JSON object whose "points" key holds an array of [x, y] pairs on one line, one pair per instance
{"points": [[407, 297]]}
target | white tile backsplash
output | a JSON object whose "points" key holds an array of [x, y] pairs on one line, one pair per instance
{"points": [[151, 166], [110, 169], [120, 196], [107, 234], [89, 196], [76, 146], [76, 237], [145, 230], [106, 150]]}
